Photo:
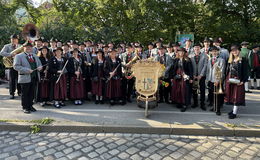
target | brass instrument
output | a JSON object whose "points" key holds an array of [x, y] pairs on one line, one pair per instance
{"points": [[128, 66], [196, 86], [30, 33], [217, 89]]}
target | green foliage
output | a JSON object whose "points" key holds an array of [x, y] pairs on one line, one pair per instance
{"points": [[138, 20], [35, 129]]}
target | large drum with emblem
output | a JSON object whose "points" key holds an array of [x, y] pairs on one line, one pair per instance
{"points": [[147, 73]]}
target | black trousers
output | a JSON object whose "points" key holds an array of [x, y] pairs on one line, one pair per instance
{"points": [[127, 87], [28, 94], [13, 82], [164, 91], [202, 92], [220, 97]]}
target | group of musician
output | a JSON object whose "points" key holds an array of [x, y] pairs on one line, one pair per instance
{"points": [[52, 72]]}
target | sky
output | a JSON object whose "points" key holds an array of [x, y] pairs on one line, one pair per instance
{"points": [[38, 2]]}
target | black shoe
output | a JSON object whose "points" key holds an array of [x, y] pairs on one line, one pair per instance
{"points": [[160, 101], [211, 109], [258, 88], [218, 113], [252, 87], [167, 102], [183, 109], [101, 102], [194, 105], [62, 104], [232, 116], [231, 112], [33, 109], [121, 102], [248, 91], [112, 102], [57, 106], [12, 97], [129, 100], [203, 107], [26, 111], [97, 102], [178, 106]]}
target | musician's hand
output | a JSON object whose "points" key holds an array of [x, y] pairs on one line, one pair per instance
{"points": [[199, 77], [241, 83], [216, 83], [59, 71], [111, 73], [30, 71], [191, 81], [39, 68], [77, 73], [45, 71]]}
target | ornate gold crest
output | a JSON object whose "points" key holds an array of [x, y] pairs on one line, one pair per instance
{"points": [[147, 73]]}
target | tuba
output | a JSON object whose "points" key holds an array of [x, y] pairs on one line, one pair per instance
{"points": [[29, 33]]}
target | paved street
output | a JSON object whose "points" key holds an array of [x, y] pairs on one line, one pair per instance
{"points": [[130, 115], [23, 145]]}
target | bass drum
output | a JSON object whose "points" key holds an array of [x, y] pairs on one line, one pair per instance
{"points": [[151, 104]]}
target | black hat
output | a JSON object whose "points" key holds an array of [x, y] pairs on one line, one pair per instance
{"points": [[140, 46], [75, 50], [214, 48], [44, 40], [150, 44], [100, 51], [217, 40], [234, 47], [244, 43], [169, 45], [129, 45], [176, 44], [182, 49], [53, 40], [206, 39], [14, 36], [28, 44], [255, 46], [88, 41], [189, 39], [161, 47], [82, 44], [74, 42], [44, 47], [112, 50], [58, 48], [39, 39], [197, 44], [158, 41]]}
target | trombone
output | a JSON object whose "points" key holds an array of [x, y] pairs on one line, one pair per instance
{"points": [[217, 89]]}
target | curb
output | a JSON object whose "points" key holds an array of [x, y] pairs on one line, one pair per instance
{"points": [[237, 132]]}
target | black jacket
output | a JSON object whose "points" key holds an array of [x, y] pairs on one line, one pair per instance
{"points": [[187, 67], [109, 67], [95, 67], [71, 67], [242, 70]]}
